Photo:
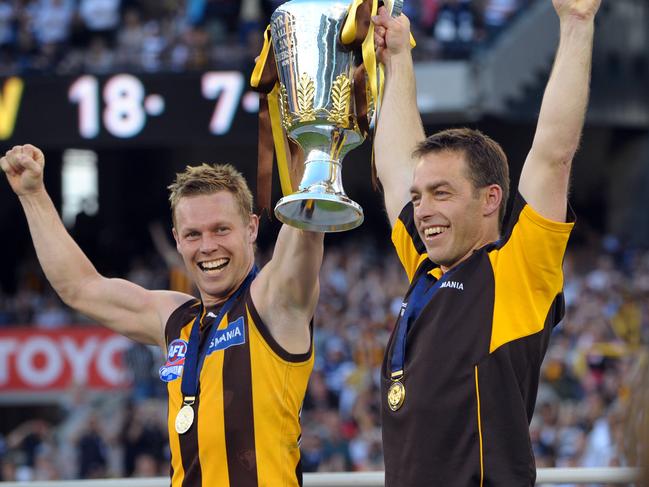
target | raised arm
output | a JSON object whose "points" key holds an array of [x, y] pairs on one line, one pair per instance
{"points": [[546, 172], [287, 288], [118, 304], [399, 128]]}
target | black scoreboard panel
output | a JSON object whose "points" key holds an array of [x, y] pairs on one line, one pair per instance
{"points": [[125, 109]]}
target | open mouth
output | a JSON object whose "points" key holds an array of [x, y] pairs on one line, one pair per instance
{"points": [[213, 266], [432, 233]]}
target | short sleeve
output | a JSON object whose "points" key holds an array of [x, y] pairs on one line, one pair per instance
{"points": [[528, 273], [406, 241]]}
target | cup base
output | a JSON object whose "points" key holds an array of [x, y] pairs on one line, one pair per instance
{"points": [[319, 212]]}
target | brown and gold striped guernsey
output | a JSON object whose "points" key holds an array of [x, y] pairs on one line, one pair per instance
{"points": [[473, 357], [247, 428]]}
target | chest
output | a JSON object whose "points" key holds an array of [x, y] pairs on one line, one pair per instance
{"points": [[454, 322]]}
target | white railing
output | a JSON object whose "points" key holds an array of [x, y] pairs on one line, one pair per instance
{"points": [[617, 476]]}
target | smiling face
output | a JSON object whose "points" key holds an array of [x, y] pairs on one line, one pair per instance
{"points": [[215, 242], [453, 218]]}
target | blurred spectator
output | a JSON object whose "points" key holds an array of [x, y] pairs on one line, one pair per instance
{"points": [[91, 451], [7, 38], [319, 397], [8, 469], [219, 17], [337, 365], [6, 316], [250, 24], [51, 21], [456, 28], [498, 12], [193, 50], [45, 467], [98, 59], [311, 451], [99, 19], [7, 18], [427, 14], [335, 450], [29, 439], [52, 313], [141, 361], [144, 441], [130, 40], [145, 466], [154, 44]]}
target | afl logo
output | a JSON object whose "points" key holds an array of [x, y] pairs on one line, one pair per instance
{"points": [[176, 353]]}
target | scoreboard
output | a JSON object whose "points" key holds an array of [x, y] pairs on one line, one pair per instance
{"points": [[125, 109]]}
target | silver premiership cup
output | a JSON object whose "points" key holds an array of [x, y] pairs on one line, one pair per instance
{"points": [[316, 75]]}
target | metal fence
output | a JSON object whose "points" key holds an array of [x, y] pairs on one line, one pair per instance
{"points": [[616, 476]]}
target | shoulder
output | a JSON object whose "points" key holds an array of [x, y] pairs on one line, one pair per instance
{"points": [[283, 346], [526, 223], [175, 309], [185, 305], [531, 249]]}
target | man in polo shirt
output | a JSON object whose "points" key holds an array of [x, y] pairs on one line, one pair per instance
{"points": [[461, 370]]}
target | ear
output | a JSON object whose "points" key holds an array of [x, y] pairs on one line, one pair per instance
{"points": [[253, 227], [175, 234], [492, 197]]}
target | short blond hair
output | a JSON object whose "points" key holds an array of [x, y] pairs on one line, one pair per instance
{"points": [[209, 179]]}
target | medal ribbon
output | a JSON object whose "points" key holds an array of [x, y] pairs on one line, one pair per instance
{"points": [[195, 358], [421, 295]]}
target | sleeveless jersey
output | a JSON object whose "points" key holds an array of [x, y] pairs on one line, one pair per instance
{"points": [[246, 432]]}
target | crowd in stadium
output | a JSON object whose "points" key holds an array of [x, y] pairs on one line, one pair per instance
{"points": [[579, 417], [100, 36]]}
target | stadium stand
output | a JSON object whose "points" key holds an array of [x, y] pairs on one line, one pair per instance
{"points": [[99, 36]]}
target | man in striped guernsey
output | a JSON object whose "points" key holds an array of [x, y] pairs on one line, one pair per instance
{"points": [[461, 371], [238, 359]]}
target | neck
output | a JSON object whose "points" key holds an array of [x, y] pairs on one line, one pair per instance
{"points": [[493, 237], [211, 301]]}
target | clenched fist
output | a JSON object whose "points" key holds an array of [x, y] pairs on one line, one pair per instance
{"points": [[23, 165], [578, 9], [391, 35]]}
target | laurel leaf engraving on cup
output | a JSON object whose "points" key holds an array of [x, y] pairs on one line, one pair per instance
{"points": [[340, 97], [305, 96]]}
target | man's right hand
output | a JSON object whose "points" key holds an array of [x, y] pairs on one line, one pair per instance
{"points": [[391, 35], [23, 166]]}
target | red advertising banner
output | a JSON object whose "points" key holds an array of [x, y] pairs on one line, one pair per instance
{"points": [[33, 360]]}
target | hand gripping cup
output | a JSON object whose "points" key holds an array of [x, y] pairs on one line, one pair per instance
{"points": [[325, 102]]}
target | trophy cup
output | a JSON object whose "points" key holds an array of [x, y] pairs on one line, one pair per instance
{"points": [[319, 95]]}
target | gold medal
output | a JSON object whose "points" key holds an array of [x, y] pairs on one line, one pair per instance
{"points": [[184, 419], [396, 395]]}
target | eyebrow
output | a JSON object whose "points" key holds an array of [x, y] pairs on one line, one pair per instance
{"points": [[431, 187]]}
